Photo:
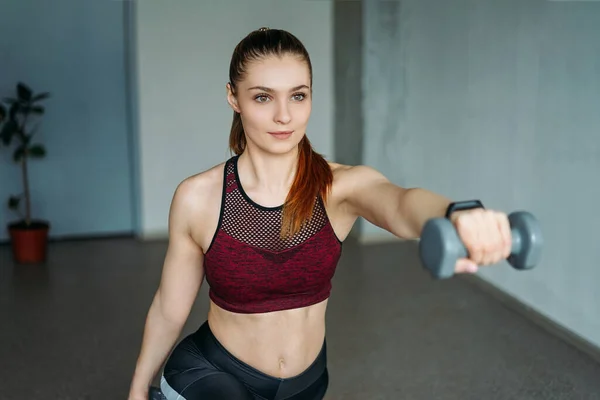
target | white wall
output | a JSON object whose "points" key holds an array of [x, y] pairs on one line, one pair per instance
{"points": [[183, 54], [497, 100]]}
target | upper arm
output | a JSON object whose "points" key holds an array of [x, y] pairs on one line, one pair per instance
{"points": [[183, 268], [369, 194]]}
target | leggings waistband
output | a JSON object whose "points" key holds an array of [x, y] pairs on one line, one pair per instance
{"points": [[257, 380]]}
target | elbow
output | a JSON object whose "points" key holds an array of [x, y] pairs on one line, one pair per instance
{"points": [[407, 222], [404, 228], [409, 234]]}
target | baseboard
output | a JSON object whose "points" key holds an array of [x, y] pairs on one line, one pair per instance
{"points": [[536, 317], [81, 238]]}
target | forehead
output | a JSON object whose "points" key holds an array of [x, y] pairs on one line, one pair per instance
{"points": [[279, 73]]}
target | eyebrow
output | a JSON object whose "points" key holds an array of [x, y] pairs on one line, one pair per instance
{"points": [[269, 90]]}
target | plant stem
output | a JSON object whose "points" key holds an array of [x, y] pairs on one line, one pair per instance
{"points": [[26, 188], [25, 172]]}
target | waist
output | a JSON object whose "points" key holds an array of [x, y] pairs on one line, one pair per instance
{"points": [[280, 344]]}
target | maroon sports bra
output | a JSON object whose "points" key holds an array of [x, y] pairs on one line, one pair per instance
{"points": [[251, 270]]}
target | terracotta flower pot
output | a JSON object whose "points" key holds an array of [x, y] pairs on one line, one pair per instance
{"points": [[29, 243]]}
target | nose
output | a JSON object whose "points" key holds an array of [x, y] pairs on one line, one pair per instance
{"points": [[282, 113]]}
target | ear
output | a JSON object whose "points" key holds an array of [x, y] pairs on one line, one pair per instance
{"points": [[231, 99]]}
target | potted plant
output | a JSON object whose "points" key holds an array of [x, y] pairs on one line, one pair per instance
{"points": [[29, 237]]}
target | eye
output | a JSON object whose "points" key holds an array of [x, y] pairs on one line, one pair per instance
{"points": [[299, 96], [261, 98]]}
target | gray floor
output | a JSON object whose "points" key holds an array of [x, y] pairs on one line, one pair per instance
{"points": [[72, 330]]}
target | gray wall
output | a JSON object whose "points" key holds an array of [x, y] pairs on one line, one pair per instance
{"points": [[348, 72], [347, 28], [75, 50], [497, 100]]}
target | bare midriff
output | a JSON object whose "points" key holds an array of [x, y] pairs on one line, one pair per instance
{"points": [[281, 344]]}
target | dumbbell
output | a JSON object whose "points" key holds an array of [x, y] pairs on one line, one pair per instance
{"points": [[440, 246], [155, 394]]}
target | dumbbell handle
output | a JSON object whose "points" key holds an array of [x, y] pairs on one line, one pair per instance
{"points": [[440, 246]]}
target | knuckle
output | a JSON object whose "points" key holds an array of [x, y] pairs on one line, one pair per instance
{"points": [[476, 250], [488, 248], [504, 220]]}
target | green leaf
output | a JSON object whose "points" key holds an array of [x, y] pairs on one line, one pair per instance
{"points": [[37, 151], [25, 139], [23, 109], [14, 110], [37, 110], [8, 131], [24, 92], [13, 202], [19, 153], [41, 96]]}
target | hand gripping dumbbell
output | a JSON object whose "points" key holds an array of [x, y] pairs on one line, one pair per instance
{"points": [[440, 246]]}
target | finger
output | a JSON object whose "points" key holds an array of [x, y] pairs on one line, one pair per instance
{"points": [[465, 266], [466, 226], [493, 239], [504, 227], [481, 248]]}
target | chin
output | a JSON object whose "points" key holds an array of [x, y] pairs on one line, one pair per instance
{"points": [[281, 147], [276, 146]]}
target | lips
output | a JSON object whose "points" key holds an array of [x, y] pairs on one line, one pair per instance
{"points": [[281, 134]]}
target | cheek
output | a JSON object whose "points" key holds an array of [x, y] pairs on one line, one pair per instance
{"points": [[255, 115], [301, 112], [307, 110]]}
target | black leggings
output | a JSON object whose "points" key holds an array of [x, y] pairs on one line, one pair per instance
{"points": [[201, 368]]}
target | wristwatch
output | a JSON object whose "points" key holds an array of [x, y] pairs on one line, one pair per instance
{"points": [[462, 205]]}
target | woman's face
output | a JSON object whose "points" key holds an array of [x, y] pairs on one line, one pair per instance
{"points": [[274, 102]]}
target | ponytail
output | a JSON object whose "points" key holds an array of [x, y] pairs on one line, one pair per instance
{"points": [[313, 178], [237, 137]]}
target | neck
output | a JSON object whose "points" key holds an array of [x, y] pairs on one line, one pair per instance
{"points": [[273, 173]]}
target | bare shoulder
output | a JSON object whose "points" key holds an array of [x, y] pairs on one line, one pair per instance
{"points": [[196, 202], [195, 191], [348, 178]]}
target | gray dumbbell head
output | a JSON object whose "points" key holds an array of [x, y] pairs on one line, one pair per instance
{"points": [[527, 240], [440, 247]]}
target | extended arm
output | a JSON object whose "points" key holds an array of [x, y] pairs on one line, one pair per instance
{"points": [[398, 210], [404, 212]]}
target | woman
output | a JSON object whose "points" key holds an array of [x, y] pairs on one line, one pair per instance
{"points": [[266, 229]]}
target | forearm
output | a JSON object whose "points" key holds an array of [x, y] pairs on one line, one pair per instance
{"points": [[160, 335], [417, 207]]}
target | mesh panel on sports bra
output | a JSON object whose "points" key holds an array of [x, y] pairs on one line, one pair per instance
{"points": [[259, 226]]}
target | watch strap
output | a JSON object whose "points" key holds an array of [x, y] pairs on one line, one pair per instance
{"points": [[462, 205]]}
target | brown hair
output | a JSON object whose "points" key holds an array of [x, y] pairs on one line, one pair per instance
{"points": [[313, 175]]}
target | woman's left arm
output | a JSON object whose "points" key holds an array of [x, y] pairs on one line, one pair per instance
{"points": [[404, 212]]}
